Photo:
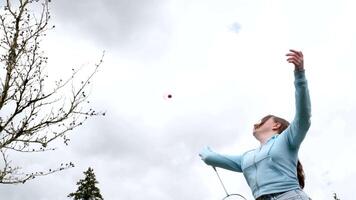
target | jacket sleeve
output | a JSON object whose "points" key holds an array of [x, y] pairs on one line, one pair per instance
{"points": [[300, 125], [232, 163]]}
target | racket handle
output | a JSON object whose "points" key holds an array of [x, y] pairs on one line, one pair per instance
{"points": [[222, 184]]}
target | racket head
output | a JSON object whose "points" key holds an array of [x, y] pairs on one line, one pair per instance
{"points": [[234, 197]]}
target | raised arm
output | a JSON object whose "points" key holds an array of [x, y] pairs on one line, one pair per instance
{"points": [[301, 122], [232, 163]]}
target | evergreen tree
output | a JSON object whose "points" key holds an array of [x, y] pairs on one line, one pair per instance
{"points": [[335, 197], [87, 189]]}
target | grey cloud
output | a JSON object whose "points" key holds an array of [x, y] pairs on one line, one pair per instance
{"points": [[159, 162], [138, 26], [122, 137]]}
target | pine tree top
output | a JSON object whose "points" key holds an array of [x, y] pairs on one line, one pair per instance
{"points": [[87, 189]]}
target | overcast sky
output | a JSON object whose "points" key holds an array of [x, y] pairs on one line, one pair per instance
{"points": [[224, 64]]}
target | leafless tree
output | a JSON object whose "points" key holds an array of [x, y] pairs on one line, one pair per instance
{"points": [[32, 115]]}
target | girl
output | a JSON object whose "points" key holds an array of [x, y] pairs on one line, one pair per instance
{"points": [[273, 170]]}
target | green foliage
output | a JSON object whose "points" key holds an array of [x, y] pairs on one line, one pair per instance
{"points": [[87, 189]]}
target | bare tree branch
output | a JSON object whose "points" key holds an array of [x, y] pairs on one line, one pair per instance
{"points": [[32, 115]]}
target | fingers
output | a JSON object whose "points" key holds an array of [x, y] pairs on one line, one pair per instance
{"points": [[295, 53], [299, 53], [295, 61], [205, 152], [295, 57]]}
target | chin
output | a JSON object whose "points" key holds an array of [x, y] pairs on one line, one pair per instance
{"points": [[254, 133]]}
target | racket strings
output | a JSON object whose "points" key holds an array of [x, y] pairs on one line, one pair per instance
{"points": [[234, 197]]}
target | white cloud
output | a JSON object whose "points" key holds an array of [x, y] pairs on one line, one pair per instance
{"points": [[221, 84]]}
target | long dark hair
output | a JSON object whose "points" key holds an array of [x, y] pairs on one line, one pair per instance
{"points": [[284, 124]]}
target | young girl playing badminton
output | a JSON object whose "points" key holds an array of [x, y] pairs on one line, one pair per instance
{"points": [[273, 170]]}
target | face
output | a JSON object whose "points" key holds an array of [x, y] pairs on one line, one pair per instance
{"points": [[266, 124]]}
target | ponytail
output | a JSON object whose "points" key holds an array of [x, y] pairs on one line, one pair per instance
{"points": [[300, 174]]}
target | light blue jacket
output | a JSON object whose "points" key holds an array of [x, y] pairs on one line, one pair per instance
{"points": [[272, 168]]}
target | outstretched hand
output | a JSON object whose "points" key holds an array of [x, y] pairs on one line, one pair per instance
{"points": [[296, 57], [205, 153]]}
